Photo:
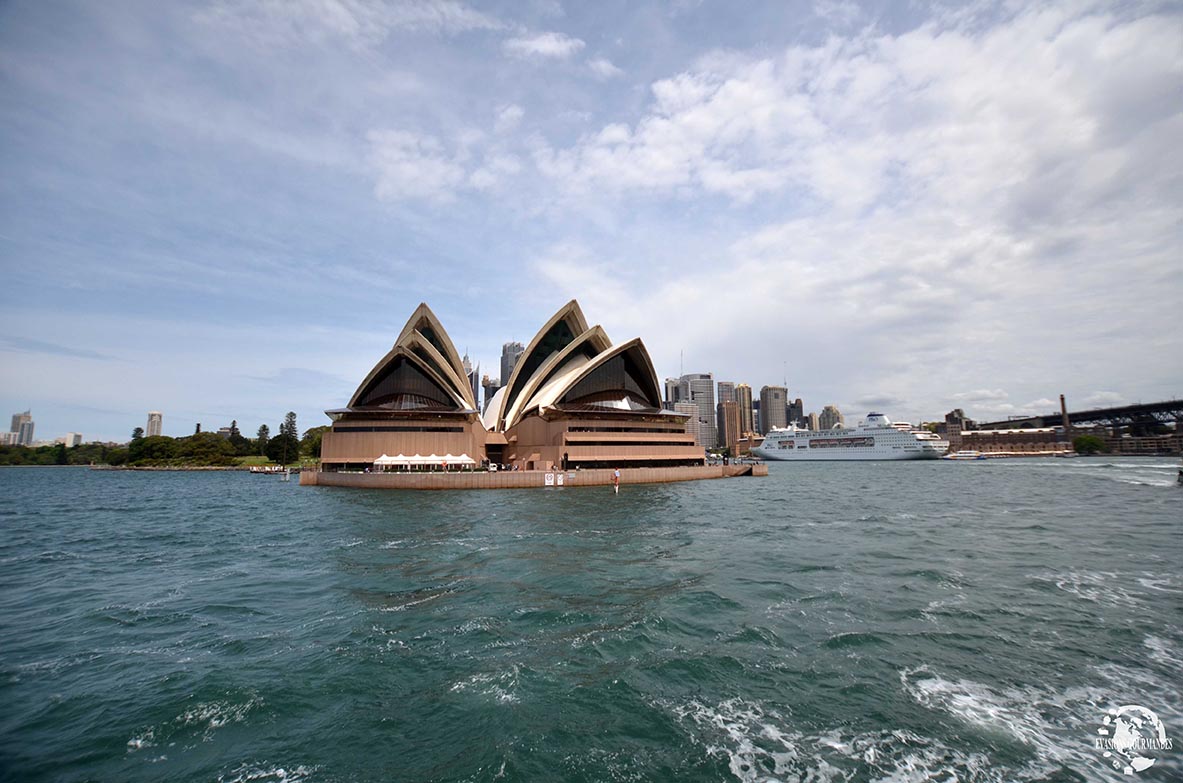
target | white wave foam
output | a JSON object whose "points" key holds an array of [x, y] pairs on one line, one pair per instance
{"points": [[502, 686], [1162, 652], [1162, 584], [247, 773], [760, 749], [216, 714], [1058, 726], [1099, 587], [145, 740], [404, 606]]}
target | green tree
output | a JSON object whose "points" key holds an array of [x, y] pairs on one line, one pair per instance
{"points": [[283, 448], [59, 455], [137, 433], [1088, 444], [242, 446], [310, 443], [289, 426], [154, 449], [262, 437], [205, 448]]}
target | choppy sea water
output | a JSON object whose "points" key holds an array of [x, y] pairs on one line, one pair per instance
{"points": [[831, 622]]}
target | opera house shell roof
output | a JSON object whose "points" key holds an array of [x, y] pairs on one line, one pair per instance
{"points": [[569, 372]]}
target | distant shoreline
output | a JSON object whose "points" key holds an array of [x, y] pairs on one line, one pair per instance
{"points": [[156, 468]]}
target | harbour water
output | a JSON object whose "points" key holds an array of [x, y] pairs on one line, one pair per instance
{"points": [[831, 622]]}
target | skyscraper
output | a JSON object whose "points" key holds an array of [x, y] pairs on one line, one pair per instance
{"points": [[510, 353], [699, 388], [673, 392], [22, 428], [743, 399], [726, 391], [155, 422], [814, 423], [797, 412], [728, 414], [773, 412], [490, 386], [473, 376], [830, 416]]}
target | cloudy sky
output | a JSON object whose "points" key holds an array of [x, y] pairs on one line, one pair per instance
{"points": [[228, 210]]}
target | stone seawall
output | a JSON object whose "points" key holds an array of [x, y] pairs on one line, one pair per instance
{"points": [[523, 479]]}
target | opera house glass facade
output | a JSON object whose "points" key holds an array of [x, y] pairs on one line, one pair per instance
{"points": [[573, 400]]}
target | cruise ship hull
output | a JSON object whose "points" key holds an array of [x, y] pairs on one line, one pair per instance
{"points": [[874, 439], [824, 455]]}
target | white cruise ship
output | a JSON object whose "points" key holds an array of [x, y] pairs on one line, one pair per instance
{"points": [[874, 438]]}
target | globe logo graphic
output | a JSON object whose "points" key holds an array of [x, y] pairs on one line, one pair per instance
{"points": [[1127, 734]]}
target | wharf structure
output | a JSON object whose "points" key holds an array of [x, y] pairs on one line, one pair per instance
{"points": [[573, 402]]}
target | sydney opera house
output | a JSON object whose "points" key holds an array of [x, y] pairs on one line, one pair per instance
{"points": [[574, 400]]}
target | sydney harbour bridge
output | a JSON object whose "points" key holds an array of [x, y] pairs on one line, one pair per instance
{"points": [[1138, 419]]}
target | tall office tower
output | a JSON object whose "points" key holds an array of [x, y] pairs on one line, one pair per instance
{"points": [[673, 392], [490, 387], [829, 417], [474, 378], [22, 428], [728, 415], [510, 353], [155, 422], [743, 399], [692, 424], [73, 439], [814, 424], [773, 412], [796, 412], [699, 388], [726, 391]]}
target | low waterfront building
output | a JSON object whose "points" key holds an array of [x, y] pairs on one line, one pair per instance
{"points": [[572, 399], [1041, 440]]}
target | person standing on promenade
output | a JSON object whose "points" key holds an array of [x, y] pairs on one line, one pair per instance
{"points": [[616, 480]]}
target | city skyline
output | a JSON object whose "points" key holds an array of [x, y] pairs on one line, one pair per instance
{"points": [[213, 211]]}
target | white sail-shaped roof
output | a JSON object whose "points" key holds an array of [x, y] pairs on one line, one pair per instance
{"points": [[560, 331]]}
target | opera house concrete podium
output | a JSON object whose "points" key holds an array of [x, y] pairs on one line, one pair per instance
{"points": [[573, 402]]}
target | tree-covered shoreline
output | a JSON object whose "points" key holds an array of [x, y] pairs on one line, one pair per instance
{"points": [[199, 450]]}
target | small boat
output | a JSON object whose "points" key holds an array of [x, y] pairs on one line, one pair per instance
{"points": [[968, 454], [266, 469]]}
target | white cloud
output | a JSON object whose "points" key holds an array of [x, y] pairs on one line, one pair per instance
{"points": [[360, 23], [508, 118], [495, 169], [841, 12], [604, 68], [981, 395], [1104, 399], [946, 200], [555, 46], [413, 166]]}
